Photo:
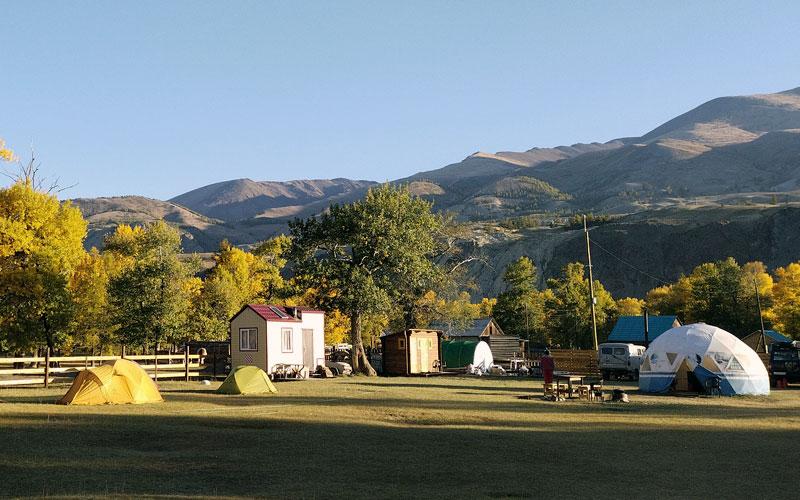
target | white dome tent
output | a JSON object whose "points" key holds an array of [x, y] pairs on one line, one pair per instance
{"points": [[707, 352]]}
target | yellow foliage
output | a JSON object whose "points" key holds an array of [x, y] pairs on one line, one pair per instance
{"points": [[337, 328], [785, 312], [6, 154], [630, 306]]}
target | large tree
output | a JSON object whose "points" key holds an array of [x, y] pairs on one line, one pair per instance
{"points": [[41, 243], [238, 278], [366, 256], [520, 309], [569, 309], [150, 297], [785, 313]]}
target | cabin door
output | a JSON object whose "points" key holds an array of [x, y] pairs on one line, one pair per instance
{"points": [[308, 349]]}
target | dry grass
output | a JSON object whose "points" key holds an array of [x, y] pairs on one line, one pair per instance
{"points": [[399, 437]]}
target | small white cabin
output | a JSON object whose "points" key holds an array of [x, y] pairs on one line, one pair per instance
{"points": [[266, 336]]}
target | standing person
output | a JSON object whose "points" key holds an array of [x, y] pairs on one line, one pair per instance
{"points": [[548, 367]]}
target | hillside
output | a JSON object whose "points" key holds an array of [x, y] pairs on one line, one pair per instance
{"points": [[704, 185], [242, 199]]}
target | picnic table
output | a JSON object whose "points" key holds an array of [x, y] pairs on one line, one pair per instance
{"points": [[570, 379]]}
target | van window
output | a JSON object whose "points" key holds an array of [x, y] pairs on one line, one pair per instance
{"points": [[620, 351], [605, 350]]}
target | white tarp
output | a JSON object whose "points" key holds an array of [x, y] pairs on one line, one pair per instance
{"points": [[709, 352]]}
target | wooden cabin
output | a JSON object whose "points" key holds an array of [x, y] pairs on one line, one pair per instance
{"points": [[412, 352]]}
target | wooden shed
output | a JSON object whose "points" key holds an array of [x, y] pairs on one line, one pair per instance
{"points": [[412, 352]]}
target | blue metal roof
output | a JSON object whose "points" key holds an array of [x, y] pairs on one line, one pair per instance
{"points": [[631, 328], [776, 337]]}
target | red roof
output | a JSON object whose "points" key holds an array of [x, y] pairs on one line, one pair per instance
{"points": [[278, 313]]}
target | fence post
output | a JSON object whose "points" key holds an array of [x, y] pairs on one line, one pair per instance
{"points": [[186, 360], [47, 367]]}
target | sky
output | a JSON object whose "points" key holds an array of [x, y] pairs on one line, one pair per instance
{"points": [[157, 98]]}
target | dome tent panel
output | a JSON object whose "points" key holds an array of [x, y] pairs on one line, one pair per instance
{"points": [[716, 352]]}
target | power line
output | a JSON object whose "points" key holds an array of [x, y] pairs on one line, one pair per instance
{"points": [[609, 252]]}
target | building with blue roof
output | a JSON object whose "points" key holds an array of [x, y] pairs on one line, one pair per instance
{"points": [[770, 336], [630, 329]]}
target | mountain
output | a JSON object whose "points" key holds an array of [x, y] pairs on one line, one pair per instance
{"points": [[244, 198], [721, 179]]}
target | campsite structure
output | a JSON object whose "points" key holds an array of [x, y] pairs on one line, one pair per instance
{"points": [[504, 347], [278, 339], [118, 382], [753, 340], [631, 329], [458, 353], [412, 352], [699, 357], [247, 380]]}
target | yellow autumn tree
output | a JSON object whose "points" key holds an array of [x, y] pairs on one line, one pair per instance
{"points": [[41, 244], [785, 311], [630, 306]]}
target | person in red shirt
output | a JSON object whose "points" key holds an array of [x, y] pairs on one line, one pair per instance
{"points": [[548, 367]]}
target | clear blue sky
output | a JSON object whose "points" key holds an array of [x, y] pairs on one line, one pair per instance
{"points": [[157, 98]]}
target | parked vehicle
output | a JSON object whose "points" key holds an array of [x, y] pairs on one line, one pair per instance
{"points": [[784, 362], [620, 360]]}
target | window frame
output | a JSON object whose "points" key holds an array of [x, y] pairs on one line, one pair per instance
{"points": [[250, 336], [401, 343], [284, 347]]}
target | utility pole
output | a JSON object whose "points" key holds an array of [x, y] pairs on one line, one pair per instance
{"points": [[591, 283], [763, 339]]}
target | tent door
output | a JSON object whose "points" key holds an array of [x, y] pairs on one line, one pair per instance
{"points": [[308, 349]]}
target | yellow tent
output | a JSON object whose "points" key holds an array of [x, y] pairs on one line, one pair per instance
{"points": [[246, 379], [116, 382]]}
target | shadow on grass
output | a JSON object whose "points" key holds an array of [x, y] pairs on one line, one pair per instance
{"points": [[134, 455]]}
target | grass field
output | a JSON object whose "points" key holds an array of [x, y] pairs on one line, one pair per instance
{"points": [[399, 437]]}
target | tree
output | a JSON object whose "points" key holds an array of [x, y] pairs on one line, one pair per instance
{"points": [[238, 278], [569, 310], [91, 324], [366, 256], [41, 243], [630, 306], [520, 309], [6, 154], [785, 312], [150, 298]]}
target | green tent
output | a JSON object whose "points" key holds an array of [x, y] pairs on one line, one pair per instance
{"points": [[247, 380], [458, 353]]}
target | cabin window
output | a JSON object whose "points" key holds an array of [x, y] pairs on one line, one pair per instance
{"points": [[248, 339], [605, 350], [286, 340], [401, 343], [620, 351]]}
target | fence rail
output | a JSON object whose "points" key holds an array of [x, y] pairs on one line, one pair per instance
{"points": [[37, 370]]}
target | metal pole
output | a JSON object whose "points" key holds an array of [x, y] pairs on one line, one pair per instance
{"points": [[763, 338], [591, 283], [47, 367]]}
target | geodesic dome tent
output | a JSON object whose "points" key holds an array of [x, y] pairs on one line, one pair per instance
{"points": [[706, 352]]}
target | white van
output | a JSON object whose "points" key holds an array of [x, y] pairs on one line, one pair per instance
{"points": [[620, 360]]}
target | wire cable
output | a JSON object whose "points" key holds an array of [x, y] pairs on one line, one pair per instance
{"points": [[609, 252]]}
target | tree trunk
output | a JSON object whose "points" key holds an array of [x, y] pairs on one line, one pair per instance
{"points": [[359, 358]]}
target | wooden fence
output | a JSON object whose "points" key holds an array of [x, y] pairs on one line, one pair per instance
{"points": [[579, 361], [44, 370]]}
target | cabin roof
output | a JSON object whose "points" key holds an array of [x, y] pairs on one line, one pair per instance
{"points": [[631, 328]]}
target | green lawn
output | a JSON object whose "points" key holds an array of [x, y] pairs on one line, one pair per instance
{"points": [[399, 437]]}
